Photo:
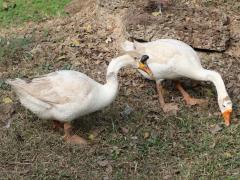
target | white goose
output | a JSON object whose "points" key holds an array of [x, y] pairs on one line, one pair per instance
{"points": [[172, 59], [65, 95]]}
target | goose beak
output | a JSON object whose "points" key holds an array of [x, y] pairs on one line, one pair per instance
{"points": [[145, 68], [226, 116]]}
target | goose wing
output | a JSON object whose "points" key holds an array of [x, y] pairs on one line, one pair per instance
{"points": [[60, 87]]}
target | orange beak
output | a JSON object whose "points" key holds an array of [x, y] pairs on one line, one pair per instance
{"points": [[226, 116], [145, 68]]}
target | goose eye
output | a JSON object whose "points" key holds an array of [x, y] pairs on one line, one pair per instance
{"points": [[144, 58], [225, 104]]}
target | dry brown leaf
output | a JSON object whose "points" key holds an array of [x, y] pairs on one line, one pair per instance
{"points": [[88, 28], [75, 43], [228, 155], [7, 100], [6, 112], [156, 13], [109, 169], [215, 129], [213, 145], [91, 137], [94, 133], [103, 163], [146, 135], [61, 58], [124, 130]]}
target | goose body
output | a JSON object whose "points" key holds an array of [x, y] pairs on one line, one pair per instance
{"points": [[63, 95], [66, 95], [172, 59], [168, 58]]}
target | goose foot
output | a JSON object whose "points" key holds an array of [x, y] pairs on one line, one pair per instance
{"points": [[188, 99], [72, 139], [170, 108]]}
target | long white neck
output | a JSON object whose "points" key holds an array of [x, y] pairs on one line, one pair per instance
{"points": [[217, 81], [113, 68], [117, 63], [110, 89]]}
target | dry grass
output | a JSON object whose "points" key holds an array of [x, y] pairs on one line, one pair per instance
{"points": [[154, 146]]}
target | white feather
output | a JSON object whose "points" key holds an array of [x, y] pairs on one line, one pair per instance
{"points": [[66, 95], [171, 59]]}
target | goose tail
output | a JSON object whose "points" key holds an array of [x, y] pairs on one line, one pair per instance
{"points": [[16, 82]]}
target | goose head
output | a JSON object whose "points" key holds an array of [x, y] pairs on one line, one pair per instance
{"points": [[140, 62], [143, 65], [133, 59], [225, 105]]}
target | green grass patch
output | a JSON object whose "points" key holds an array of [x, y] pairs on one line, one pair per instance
{"points": [[19, 11]]}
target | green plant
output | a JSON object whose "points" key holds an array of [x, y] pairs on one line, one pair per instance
{"points": [[13, 48], [20, 11]]}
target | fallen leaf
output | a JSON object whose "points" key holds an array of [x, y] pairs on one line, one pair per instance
{"points": [[8, 5], [167, 177], [115, 150], [75, 43], [91, 137], [6, 112], [5, 5], [37, 49], [103, 163], [6, 109], [94, 133], [213, 145], [105, 178], [146, 135], [61, 58], [229, 85], [156, 13], [215, 129], [109, 169], [88, 28], [134, 137], [124, 130], [7, 100], [227, 154], [8, 124]]}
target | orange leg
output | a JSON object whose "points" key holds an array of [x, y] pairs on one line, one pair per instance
{"points": [[189, 100], [167, 107], [73, 139]]}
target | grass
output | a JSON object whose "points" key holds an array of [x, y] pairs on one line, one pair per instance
{"points": [[21, 11], [178, 147], [14, 48]]}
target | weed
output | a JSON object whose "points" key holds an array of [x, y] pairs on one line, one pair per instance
{"points": [[13, 48]]}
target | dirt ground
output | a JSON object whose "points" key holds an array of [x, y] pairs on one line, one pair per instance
{"points": [[145, 144]]}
